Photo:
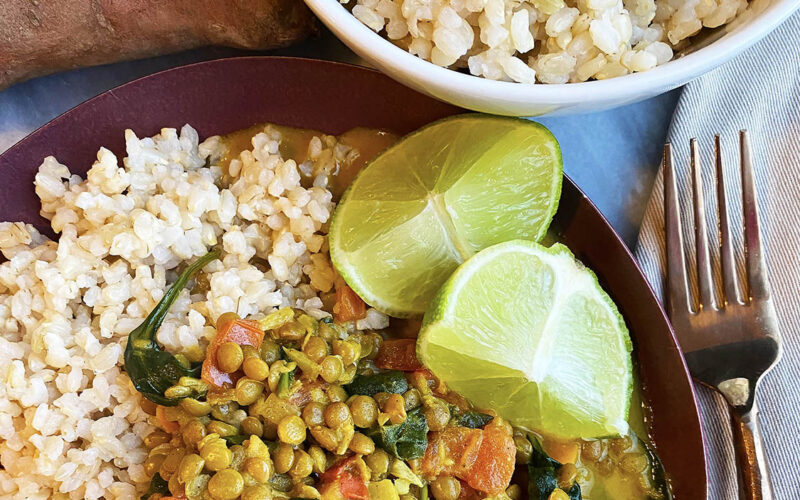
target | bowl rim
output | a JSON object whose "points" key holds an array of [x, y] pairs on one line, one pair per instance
{"points": [[672, 73]]}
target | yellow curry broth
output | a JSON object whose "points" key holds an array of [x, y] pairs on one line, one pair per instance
{"points": [[295, 141]]}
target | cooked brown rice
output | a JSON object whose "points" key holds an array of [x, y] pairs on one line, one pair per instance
{"points": [[547, 41]]}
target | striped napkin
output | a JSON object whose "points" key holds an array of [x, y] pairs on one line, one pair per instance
{"points": [[759, 91]]}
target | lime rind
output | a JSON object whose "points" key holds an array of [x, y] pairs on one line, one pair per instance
{"points": [[603, 384], [344, 235]]}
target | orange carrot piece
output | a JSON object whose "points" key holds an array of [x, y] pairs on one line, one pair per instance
{"points": [[242, 332], [348, 306], [398, 354], [492, 470]]}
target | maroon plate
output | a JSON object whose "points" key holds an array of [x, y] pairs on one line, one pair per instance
{"points": [[225, 95]]}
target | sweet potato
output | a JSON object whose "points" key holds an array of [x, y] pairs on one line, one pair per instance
{"points": [[494, 466], [398, 354], [348, 306], [482, 458], [37, 38]]}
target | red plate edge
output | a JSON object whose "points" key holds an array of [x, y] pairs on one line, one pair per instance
{"points": [[223, 95]]}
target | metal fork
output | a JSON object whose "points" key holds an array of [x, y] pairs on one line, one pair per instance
{"points": [[730, 336]]}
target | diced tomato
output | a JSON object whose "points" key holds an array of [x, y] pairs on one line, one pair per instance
{"points": [[242, 332], [398, 354], [451, 452], [492, 470], [347, 476], [167, 425], [353, 488], [348, 306]]}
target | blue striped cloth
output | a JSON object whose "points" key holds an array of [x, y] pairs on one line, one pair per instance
{"points": [[758, 91]]}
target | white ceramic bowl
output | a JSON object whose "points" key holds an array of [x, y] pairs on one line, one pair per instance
{"points": [[517, 99]]}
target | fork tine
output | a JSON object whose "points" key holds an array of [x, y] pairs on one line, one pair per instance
{"points": [[730, 279], [677, 284], [704, 277], [755, 262]]}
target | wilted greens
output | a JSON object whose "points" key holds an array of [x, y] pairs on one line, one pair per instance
{"points": [[151, 369], [405, 440], [393, 382], [473, 419]]}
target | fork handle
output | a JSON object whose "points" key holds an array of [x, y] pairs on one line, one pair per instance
{"points": [[754, 478]]}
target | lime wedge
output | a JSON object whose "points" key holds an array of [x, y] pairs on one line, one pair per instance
{"points": [[527, 331], [436, 198]]}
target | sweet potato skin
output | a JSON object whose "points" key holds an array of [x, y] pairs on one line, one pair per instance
{"points": [[38, 37]]}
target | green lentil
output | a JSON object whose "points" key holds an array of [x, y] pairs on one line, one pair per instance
{"points": [[283, 458], [378, 463], [156, 438], [221, 428], [248, 390], [364, 410], [292, 430], [303, 465], [216, 455], [190, 467], [270, 351], [337, 414], [258, 468], [315, 348], [314, 414], [255, 368], [445, 488], [252, 426], [226, 484], [196, 408], [229, 357]]}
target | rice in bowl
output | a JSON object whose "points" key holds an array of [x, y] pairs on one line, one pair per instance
{"points": [[71, 422], [545, 41]]}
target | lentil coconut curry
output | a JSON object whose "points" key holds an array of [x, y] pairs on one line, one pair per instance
{"points": [[289, 357], [288, 405]]}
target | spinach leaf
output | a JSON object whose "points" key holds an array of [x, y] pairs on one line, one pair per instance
{"points": [[393, 382], [157, 485], [473, 419], [406, 440], [235, 439], [151, 369], [543, 475]]}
